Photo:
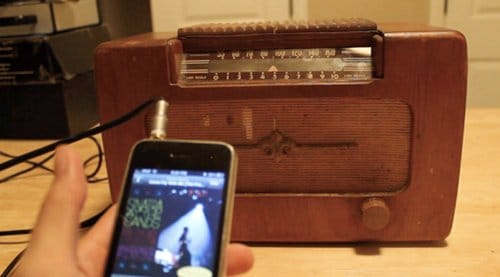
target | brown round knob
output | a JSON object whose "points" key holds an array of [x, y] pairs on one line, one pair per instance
{"points": [[375, 213]]}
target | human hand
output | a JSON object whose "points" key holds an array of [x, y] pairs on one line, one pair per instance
{"points": [[56, 248]]}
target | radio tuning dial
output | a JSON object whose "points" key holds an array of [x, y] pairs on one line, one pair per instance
{"points": [[375, 213], [272, 66]]}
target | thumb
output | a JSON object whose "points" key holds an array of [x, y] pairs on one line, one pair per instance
{"points": [[56, 232]]}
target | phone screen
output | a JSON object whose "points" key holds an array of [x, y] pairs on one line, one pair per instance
{"points": [[171, 216]]}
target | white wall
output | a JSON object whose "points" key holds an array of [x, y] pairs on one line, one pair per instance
{"points": [[377, 10]]}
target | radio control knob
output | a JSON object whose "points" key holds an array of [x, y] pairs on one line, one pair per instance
{"points": [[375, 213]]}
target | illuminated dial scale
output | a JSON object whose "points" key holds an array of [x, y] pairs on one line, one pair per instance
{"points": [[316, 65]]}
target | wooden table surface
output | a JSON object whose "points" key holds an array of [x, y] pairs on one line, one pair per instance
{"points": [[472, 249]]}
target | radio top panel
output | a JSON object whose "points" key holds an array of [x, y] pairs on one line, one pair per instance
{"points": [[355, 32], [334, 51]]}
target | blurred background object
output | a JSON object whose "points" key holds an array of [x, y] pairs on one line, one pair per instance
{"points": [[46, 62]]}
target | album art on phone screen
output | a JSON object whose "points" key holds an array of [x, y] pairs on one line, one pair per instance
{"points": [[171, 223]]}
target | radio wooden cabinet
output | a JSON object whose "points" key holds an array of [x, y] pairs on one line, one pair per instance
{"points": [[346, 130]]}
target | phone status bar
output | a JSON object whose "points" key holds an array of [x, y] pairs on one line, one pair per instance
{"points": [[179, 178]]}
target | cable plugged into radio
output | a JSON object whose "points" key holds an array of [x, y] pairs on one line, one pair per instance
{"points": [[158, 122], [96, 130]]}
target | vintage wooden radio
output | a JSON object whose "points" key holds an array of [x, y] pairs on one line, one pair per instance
{"points": [[345, 130]]}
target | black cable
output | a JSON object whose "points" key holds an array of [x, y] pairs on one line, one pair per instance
{"points": [[97, 180], [79, 136], [12, 264], [91, 178], [99, 156], [50, 147], [15, 232], [89, 222], [43, 150], [5, 154], [34, 165]]}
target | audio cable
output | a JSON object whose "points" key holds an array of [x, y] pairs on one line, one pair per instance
{"points": [[79, 136], [157, 130], [91, 177]]}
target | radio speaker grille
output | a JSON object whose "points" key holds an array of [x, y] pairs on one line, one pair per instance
{"points": [[305, 145]]}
